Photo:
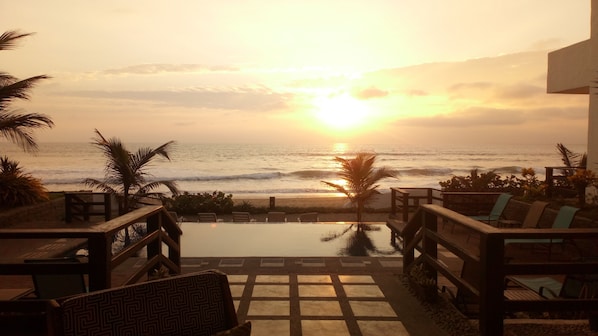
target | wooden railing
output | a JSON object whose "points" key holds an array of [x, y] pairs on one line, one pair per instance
{"points": [[407, 200], [83, 205], [488, 254], [551, 178], [162, 232]]}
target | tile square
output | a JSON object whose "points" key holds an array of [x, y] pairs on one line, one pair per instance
{"points": [[272, 279], [237, 278], [367, 291], [382, 328], [231, 262], [372, 308], [356, 279], [320, 308], [324, 327], [272, 262], [268, 308], [314, 279], [237, 290], [313, 262], [270, 291], [316, 291], [270, 327]]}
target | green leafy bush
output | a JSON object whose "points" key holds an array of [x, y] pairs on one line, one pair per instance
{"points": [[186, 203], [527, 185]]}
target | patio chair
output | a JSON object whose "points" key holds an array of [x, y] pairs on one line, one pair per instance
{"points": [[192, 304], [240, 216], [466, 298], [563, 220], [207, 217], [496, 212], [532, 217], [276, 217], [309, 217], [545, 287], [55, 285]]}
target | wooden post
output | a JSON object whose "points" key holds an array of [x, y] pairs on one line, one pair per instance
{"points": [[492, 252], [272, 202], [405, 207], [393, 202], [107, 207], [100, 268], [154, 248], [549, 181]]}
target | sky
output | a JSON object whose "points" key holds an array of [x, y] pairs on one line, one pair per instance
{"points": [[276, 71]]}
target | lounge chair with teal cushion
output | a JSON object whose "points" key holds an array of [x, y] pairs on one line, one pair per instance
{"points": [[497, 210], [563, 220]]}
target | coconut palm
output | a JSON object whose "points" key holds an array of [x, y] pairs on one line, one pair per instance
{"points": [[16, 125], [571, 159], [361, 180], [18, 188], [126, 174]]}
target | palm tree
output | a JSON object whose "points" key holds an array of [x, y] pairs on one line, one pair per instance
{"points": [[18, 188], [14, 124], [361, 180], [571, 159], [125, 171]]}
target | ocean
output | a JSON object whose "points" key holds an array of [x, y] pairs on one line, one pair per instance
{"points": [[289, 171]]}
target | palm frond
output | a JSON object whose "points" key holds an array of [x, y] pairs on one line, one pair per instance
{"points": [[9, 39], [18, 90], [18, 127]]}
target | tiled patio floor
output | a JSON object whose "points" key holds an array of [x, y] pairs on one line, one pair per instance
{"points": [[321, 296]]}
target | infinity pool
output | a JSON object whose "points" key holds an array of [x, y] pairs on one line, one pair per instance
{"points": [[285, 240]]}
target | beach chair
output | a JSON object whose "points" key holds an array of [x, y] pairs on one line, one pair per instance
{"points": [[276, 217], [531, 220], [466, 297], [309, 217], [546, 287], [563, 220], [496, 212], [243, 217], [55, 285], [207, 217]]}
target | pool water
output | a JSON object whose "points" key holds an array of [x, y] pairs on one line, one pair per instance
{"points": [[285, 240]]}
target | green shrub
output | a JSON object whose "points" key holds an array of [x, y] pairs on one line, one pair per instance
{"points": [[186, 203], [528, 185]]}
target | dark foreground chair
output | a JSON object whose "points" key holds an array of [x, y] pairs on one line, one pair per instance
{"points": [[55, 285], [192, 304]]}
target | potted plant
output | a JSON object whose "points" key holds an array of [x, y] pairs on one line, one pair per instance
{"points": [[422, 283]]}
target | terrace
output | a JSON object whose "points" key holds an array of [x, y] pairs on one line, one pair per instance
{"points": [[294, 295]]}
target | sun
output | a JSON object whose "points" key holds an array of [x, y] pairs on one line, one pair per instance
{"points": [[341, 112]]}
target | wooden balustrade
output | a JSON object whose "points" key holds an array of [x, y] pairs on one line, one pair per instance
{"points": [[422, 233], [162, 231], [84, 205]]}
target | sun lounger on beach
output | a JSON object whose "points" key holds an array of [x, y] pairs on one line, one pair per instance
{"points": [[496, 212], [276, 216], [239, 216], [309, 217], [207, 217]]}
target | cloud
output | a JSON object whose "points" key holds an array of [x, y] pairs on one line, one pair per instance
{"points": [[250, 99], [369, 93], [481, 116], [157, 68]]}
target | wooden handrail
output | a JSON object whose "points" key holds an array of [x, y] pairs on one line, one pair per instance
{"points": [[161, 228], [489, 256]]}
